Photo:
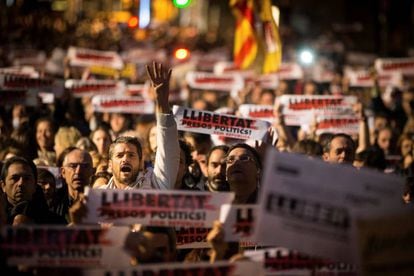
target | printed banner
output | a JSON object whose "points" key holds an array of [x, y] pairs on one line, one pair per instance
{"points": [[314, 205], [240, 268], [337, 124], [269, 81], [263, 112], [188, 237], [11, 81], [388, 249], [389, 65], [303, 109], [122, 104], [89, 88], [283, 261], [87, 57], [363, 78], [238, 222], [209, 81], [207, 122], [155, 207], [62, 246], [24, 71]]}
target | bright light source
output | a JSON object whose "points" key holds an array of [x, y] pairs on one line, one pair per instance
{"points": [[181, 3], [181, 53], [133, 22], [306, 57], [144, 13]]}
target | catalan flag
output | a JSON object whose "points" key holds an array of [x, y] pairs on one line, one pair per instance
{"points": [[272, 42], [245, 41]]}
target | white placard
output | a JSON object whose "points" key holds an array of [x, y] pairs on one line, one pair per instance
{"points": [[122, 104], [155, 207], [290, 71], [262, 112], [188, 237], [62, 246], [388, 65], [337, 124], [207, 122], [80, 88], [87, 57], [209, 81], [303, 109], [312, 205], [363, 78]]}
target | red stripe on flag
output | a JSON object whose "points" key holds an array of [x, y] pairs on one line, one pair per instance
{"points": [[244, 51]]}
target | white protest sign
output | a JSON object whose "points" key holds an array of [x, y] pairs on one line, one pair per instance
{"points": [[24, 71], [363, 78], [207, 122], [155, 207], [388, 65], [312, 205], [238, 223], [263, 112], [87, 57], [337, 124], [209, 81], [283, 261], [303, 109], [268, 81], [138, 90], [19, 81], [188, 237], [80, 88], [62, 246], [221, 268], [290, 71], [122, 104]]}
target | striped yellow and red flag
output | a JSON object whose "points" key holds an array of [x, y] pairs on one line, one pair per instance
{"points": [[245, 42], [272, 42]]}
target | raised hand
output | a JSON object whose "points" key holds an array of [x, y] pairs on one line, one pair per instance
{"points": [[160, 80]]}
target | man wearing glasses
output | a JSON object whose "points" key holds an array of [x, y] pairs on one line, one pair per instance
{"points": [[243, 168]]}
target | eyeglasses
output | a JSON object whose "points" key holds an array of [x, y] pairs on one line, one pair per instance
{"points": [[243, 158], [73, 166]]}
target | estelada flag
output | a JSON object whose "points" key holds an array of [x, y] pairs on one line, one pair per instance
{"points": [[245, 41], [271, 39]]}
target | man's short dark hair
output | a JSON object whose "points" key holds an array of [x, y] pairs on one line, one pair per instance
{"points": [[18, 160], [126, 140], [327, 146], [186, 148], [224, 148]]}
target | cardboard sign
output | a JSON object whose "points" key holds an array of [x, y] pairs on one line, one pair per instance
{"points": [[388, 65], [122, 104], [207, 122], [303, 109], [263, 112], [209, 81], [337, 124], [314, 205], [87, 57], [188, 237], [386, 245], [62, 246], [89, 88], [363, 78], [283, 261], [241, 268], [155, 207], [11, 81]]}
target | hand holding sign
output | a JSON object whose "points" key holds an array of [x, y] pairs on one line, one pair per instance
{"points": [[160, 80]]}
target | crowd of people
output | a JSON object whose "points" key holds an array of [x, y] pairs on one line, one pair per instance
{"points": [[125, 151]]}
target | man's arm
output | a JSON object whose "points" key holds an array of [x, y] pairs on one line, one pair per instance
{"points": [[167, 157]]}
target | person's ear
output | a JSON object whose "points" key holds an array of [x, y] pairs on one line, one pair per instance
{"points": [[325, 156], [3, 185]]}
